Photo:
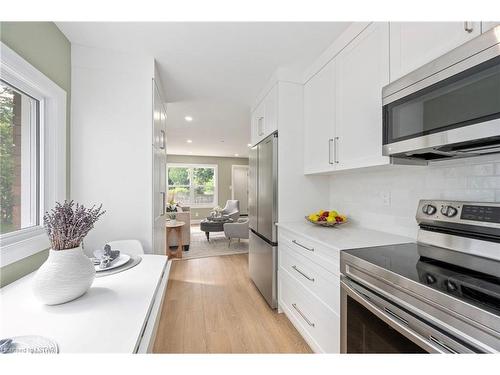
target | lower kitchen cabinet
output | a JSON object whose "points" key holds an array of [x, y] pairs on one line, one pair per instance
{"points": [[318, 324], [309, 290]]}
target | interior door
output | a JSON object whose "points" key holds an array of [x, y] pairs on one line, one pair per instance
{"points": [[362, 69], [414, 44], [159, 172], [239, 186]]}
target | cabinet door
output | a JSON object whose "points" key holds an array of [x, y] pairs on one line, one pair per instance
{"points": [[258, 123], [362, 69], [414, 44], [319, 120], [485, 26], [271, 111]]}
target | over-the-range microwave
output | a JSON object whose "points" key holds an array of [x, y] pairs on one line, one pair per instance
{"points": [[449, 107]]}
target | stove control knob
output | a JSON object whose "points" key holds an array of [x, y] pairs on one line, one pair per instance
{"points": [[429, 209], [451, 286], [430, 279], [449, 211]]}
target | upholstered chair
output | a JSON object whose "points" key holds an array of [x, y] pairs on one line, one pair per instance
{"points": [[232, 209], [238, 229]]}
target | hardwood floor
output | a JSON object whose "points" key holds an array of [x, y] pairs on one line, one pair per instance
{"points": [[212, 306]]}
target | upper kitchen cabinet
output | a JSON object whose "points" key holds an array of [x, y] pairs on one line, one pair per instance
{"points": [[319, 121], [265, 116], [361, 70], [413, 44]]}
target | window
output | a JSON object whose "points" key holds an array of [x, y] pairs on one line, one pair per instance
{"points": [[32, 155], [19, 159], [193, 185]]}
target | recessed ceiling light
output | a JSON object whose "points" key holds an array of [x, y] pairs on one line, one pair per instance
{"points": [[236, 154], [189, 141], [249, 145], [188, 118]]}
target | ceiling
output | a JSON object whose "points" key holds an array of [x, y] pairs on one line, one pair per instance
{"points": [[211, 71]]}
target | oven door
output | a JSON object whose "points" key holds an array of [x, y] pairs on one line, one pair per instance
{"points": [[453, 117], [372, 324]]}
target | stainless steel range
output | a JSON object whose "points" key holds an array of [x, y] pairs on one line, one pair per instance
{"points": [[438, 295]]}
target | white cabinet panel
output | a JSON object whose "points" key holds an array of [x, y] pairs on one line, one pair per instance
{"points": [[265, 117], [319, 120], [362, 69], [414, 44], [485, 26]]}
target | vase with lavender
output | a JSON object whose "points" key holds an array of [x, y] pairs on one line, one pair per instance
{"points": [[67, 273]]}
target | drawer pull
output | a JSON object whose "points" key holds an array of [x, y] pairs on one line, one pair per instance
{"points": [[302, 273], [302, 315], [302, 246]]}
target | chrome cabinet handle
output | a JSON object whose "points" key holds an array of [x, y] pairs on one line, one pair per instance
{"points": [[468, 26], [163, 140], [442, 345], [302, 273], [163, 203], [330, 146], [302, 315], [302, 246], [335, 150], [260, 125]]}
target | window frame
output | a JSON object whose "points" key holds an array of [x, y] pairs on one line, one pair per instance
{"points": [[20, 74], [191, 166]]}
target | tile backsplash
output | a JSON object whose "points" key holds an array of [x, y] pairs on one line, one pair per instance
{"points": [[386, 198]]}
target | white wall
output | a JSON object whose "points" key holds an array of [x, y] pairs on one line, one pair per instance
{"points": [[386, 198], [111, 137]]}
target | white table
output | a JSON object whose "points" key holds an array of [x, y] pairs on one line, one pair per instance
{"points": [[119, 314]]}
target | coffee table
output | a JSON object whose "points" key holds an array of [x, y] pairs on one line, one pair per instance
{"points": [[208, 226]]}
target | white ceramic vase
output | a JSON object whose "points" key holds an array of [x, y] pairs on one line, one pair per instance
{"points": [[65, 275]]}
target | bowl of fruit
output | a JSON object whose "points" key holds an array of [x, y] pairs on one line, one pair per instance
{"points": [[326, 218]]}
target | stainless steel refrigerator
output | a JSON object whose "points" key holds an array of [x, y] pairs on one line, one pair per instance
{"points": [[263, 212]]}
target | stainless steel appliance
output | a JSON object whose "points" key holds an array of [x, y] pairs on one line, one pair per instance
{"points": [[448, 108], [438, 295], [263, 212]]}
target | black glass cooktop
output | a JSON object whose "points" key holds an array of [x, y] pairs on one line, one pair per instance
{"points": [[413, 261]]}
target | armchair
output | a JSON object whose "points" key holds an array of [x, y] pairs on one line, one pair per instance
{"points": [[238, 229], [232, 209]]}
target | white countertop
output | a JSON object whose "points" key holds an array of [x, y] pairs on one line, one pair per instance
{"points": [[108, 318], [345, 236]]}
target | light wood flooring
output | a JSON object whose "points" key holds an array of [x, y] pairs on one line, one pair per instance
{"points": [[212, 306]]}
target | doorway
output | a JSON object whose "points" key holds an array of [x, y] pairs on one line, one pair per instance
{"points": [[239, 186]]}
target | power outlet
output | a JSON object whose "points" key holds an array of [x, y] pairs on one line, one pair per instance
{"points": [[385, 197]]}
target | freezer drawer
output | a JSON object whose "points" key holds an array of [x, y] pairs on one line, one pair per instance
{"points": [[262, 264]]}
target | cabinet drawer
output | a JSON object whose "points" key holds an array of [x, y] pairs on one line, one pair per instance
{"points": [[328, 258], [322, 283], [319, 325]]}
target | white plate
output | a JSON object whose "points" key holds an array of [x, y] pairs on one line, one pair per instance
{"points": [[120, 261]]}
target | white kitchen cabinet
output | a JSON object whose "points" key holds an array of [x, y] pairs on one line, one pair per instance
{"points": [[319, 120], [265, 117], [413, 44], [485, 26], [361, 70]]}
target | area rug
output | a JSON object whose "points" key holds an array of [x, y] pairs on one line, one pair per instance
{"points": [[217, 246]]}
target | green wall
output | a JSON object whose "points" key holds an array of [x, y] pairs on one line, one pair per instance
{"points": [[45, 47], [224, 172]]}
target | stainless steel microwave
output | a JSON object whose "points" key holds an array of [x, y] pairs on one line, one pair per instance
{"points": [[449, 107]]}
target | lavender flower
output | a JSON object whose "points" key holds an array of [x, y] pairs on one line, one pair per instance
{"points": [[67, 224]]}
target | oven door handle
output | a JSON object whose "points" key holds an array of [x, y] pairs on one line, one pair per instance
{"points": [[399, 324]]}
